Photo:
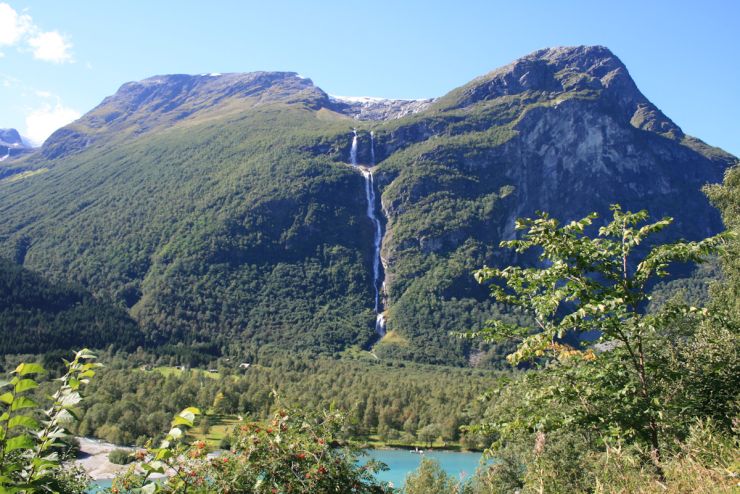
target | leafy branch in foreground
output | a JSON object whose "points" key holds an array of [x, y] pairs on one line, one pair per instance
{"points": [[28, 462], [594, 283]]}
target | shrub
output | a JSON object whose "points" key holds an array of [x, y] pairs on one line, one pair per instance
{"points": [[120, 457], [294, 452], [429, 478]]}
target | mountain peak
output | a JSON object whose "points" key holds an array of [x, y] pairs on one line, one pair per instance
{"points": [[10, 138], [11, 144], [188, 94], [554, 71], [161, 101]]}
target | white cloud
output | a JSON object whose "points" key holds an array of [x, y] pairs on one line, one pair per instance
{"points": [[19, 30], [42, 122], [13, 26], [51, 47]]}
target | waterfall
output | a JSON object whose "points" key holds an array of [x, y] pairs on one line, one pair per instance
{"points": [[3, 158], [371, 211], [372, 148], [353, 150]]}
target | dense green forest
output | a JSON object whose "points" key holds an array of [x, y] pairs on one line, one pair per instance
{"points": [[391, 400], [37, 316]]}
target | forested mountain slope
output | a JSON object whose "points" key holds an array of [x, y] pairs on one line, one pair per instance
{"points": [[37, 316], [221, 208]]}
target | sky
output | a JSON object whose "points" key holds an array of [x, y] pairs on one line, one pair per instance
{"points": [[58, 60]]}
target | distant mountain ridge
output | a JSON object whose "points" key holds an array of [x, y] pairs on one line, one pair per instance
{"points": [[12, 144], [221, 208]]}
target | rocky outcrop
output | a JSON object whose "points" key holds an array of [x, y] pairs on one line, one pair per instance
{"points": [[568, 70]]}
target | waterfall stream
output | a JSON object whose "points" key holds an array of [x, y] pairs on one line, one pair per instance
{"points": [[372, 208]]}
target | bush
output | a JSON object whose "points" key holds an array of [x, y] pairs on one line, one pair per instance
{"points": [[294, 452], [429, 478], [120, 457]]}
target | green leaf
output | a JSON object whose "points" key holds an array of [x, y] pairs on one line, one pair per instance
{"points": [[33, 368], [7, 398], [22, 402], [154, 467], [19, 442], [71, 399], [25, 385], [23, 421], [178, 420]]}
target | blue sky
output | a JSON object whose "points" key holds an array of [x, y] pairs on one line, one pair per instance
{"points": [[60, 59]]}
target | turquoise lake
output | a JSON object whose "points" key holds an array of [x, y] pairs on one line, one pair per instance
{"points": [[401, 462]]}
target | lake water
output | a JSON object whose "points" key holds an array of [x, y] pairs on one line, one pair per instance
{"points": [[401, 462]]}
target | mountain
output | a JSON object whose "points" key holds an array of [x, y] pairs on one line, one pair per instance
{"points": [[223, 208], [11, 145]]}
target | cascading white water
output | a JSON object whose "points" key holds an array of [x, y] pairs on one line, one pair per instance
{"points": [[3, 158], [372, 148], [353, 149], [378, 283]]}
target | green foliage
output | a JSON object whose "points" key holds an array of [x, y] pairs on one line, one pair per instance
{"points": [[120, 457], [726, 197], [37, 316], [205, 226], [599, 277], [638, 390], [293, 452], [377, 395], [27, 460], [429, 478], [564, 462]]}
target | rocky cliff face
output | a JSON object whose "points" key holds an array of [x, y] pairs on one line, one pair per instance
{"points": [[220, 207]]}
